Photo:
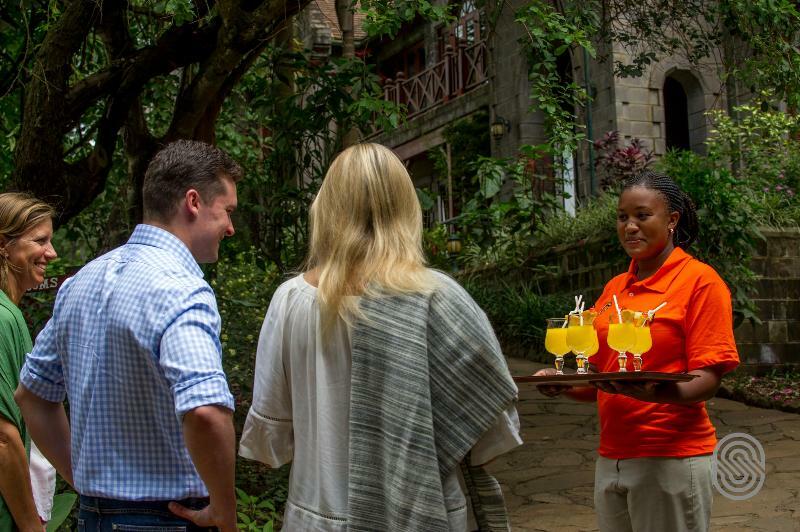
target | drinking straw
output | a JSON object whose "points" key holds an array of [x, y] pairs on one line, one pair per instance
{"points": [[652, 313], [619, 312], [581, 313], [578, 302]]}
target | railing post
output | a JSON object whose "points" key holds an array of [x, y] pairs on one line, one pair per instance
{"points": [[461, 68], [448, 60], [399, 84], [388, 85], [482, 50]]}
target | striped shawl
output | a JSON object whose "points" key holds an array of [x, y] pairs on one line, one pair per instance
{"points": [[428, 379]]}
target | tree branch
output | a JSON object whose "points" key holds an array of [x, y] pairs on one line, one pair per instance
{"points": [[240, 34], [177, 47]]}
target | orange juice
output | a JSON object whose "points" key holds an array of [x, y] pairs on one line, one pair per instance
{"points": [[580, 337], [643, 340], [594, 347], [621, 336], [555, 341]]}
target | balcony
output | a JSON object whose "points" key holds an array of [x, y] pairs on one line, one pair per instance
{"points": [[463, 67]]}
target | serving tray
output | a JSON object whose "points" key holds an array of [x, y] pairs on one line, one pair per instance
{"points": [[585, 379]]}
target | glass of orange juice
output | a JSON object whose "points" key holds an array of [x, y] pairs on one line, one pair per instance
{"points": [[555, 341], [644, 341], [621, 335], [581, 336]]}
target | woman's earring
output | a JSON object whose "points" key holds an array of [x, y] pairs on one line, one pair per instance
{"points": [[671, 230]]}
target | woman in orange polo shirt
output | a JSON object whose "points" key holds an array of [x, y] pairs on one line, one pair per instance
{"points": [[656, 440]]}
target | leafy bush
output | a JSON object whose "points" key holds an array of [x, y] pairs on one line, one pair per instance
{"points": [[257, 513], [595, 219], [244, 284], [516, 310], [725, 210], [617, 162], [760, 144]]}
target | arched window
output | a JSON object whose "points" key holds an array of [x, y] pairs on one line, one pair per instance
{"points": [[684, 112]]}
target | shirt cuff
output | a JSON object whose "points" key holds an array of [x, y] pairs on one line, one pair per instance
{"points": [[209, 391], [267, 440], [41, 386]]}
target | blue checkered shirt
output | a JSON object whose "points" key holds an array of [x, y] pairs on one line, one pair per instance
{"points": [[134, 345]]}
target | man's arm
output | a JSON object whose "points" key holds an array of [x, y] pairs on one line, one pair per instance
{"points": [[49, 428], [15, 481], [211, 441]]}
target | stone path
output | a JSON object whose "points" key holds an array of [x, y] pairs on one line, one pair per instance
{"points": [[548, 480]]}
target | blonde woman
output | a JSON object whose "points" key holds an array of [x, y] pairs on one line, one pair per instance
{"points": [[26, 228], [379, 378]]}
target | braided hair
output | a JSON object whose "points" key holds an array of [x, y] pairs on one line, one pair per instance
{"points": [[677, 200]]}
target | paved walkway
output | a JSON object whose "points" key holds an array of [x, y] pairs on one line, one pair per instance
{"points": [[548, 480]]}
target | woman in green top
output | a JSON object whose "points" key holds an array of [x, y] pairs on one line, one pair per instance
{"points": [[26, 227]]}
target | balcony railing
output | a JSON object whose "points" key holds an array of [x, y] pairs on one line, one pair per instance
{"points": [[462, 68]]}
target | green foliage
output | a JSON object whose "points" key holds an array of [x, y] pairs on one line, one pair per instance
{"points": [[516, 309], [551, 33], [725, 210], [385, 17], [434, 242], [498, 223], [761, 144], [596, 218], [243, 284], [770, 29], [256, 513], [277, 125]]}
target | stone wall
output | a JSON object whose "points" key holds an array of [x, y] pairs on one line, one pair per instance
{"points": [[777, 338], [585, 267]]}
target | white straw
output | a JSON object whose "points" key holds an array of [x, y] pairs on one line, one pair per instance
{"points": [[619, 312], [651, 313], [581, 314]]}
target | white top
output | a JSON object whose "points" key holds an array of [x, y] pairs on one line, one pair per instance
{"points": [[300, 412], [43, 482]]}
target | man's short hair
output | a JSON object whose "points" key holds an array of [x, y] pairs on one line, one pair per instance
{"points": [[180, 166]]}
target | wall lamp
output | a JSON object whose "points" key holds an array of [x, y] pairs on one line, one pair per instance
{"points": [[499, 127]]}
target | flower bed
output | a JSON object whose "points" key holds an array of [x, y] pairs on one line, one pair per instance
{"points": [[778, 390]]}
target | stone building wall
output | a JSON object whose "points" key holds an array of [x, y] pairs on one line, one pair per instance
{"points": [[777, 338], [635, 106], [511, 89]]}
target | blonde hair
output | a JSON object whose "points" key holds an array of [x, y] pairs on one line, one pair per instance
{"points": [[19, 213], [366, 232]]}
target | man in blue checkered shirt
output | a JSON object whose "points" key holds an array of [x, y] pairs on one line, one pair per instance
{"points": [[134, 345]]}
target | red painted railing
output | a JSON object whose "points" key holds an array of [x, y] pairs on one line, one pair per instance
{"points": [[462, 68]]}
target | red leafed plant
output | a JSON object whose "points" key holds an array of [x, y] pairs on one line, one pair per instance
{"points": [[619, 162]]}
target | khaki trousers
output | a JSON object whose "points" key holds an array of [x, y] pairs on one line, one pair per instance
{"points": [[653, 494]]}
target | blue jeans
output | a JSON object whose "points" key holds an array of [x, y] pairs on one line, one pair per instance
{"points": [[106, 515]]}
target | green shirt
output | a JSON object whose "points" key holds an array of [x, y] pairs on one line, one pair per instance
{"points": [[15, 343]]}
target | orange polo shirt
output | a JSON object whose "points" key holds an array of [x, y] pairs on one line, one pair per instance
{"points": [[694, 330]]}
